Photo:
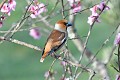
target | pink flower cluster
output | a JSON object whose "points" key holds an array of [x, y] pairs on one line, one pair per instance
{"points": [[94, 10], [36, 9], [75, 5], [35, 33], [8, 7]]}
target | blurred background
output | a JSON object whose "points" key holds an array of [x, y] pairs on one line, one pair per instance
{"points": [[21, 63]]}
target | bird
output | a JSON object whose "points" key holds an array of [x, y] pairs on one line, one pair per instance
{"points": [[56, 39]]}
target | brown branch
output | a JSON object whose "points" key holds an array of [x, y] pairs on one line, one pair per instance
{"points": [[63, 15], [73, 63], [20, 43]]}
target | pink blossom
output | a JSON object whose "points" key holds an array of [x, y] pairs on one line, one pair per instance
{"points": [[94, 9], [35, 33], [33, 16], [5, 8], [37, 10], [1, 24], [92, 18], [33, 10], [76, 7], [42, 8], [117, 39], [8, 7], [102, 5], [94, 14], [12, 4]]}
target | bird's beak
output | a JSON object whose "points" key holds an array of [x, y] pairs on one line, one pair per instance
{"points": [[69, 24]]}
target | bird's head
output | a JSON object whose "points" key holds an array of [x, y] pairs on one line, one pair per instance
{"points": [[62, 25]]}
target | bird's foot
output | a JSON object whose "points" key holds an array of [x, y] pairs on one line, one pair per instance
{"points": [[55, 56]]}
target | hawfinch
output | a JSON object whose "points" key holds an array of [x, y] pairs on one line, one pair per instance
{"points": [[56, 39]]}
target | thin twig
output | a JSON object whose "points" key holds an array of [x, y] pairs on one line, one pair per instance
{"points": [[115, 68], [85, 45], [105, 42], [22, 21], [45, 22], [52, 64], [63, 15], [53, 9], [92, 74], [72, 63], [80, 11], [16, 30]]}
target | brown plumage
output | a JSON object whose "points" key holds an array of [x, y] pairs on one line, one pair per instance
{"points": [[56, 39]]}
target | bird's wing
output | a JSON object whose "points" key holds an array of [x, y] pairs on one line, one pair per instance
{"points": [[55, 41], [57, 38]]}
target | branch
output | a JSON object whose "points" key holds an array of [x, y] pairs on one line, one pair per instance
{"points": [[63, 15], [109, 56], [53, 9], [92, 74], [22, 21], [20, 43], [82, 48], [45, 22]]}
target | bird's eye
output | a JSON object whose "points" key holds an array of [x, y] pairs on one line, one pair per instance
{"points": [[65, 23]]}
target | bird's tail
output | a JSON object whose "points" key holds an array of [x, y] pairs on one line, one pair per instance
{"points": [[42, 59]]}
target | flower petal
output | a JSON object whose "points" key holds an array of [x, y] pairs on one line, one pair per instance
{"points": [[35, 33], [117, 39]]}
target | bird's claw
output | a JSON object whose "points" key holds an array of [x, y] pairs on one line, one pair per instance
{"points": [[55, 56]]}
